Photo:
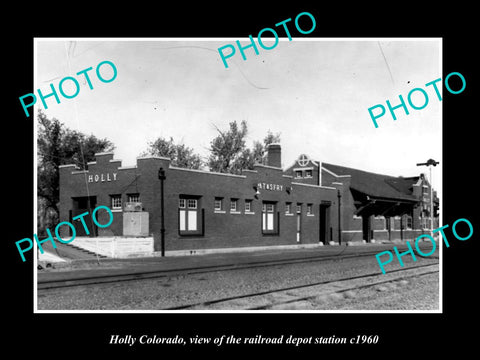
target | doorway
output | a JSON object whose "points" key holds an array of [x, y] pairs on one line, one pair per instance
{"points": [[299, 222], [388, 226], [367, 227], [324, 223]]}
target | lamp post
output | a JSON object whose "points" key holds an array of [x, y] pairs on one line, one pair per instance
{"points": [[339, 196], [430, 163], [162, 177]]}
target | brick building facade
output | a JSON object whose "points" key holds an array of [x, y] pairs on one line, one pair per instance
{"points": [[373, 206], [202, 209], [307, 204]]}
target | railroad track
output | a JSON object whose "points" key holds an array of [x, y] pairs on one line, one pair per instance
{"points": [[44, 285], [293, 294]]}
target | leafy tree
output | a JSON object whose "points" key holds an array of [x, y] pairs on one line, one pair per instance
{"points": [[228, 151], [59, 145], [179, 154], [257, 153]]}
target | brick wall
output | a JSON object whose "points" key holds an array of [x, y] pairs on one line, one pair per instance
{"points": [[106, 177]]}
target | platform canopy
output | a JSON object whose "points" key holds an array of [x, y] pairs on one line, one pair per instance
{"points": [[377, 194]]}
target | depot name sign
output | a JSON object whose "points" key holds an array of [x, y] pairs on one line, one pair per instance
{"points": [[102, 177], [272, 187]]}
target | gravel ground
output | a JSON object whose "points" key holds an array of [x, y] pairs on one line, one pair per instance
{"points": [[157, 294], [413, 294], [419, 293]]}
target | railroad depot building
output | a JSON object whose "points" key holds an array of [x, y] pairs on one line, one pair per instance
{"points": [[308, 204], [373, 207]]}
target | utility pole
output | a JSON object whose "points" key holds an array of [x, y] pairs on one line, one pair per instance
{"points": [[339, 195], [430, 163]]}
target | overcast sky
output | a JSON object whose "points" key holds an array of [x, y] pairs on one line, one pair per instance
{"points": [[315, 92]]}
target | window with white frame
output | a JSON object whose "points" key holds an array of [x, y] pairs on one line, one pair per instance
{"points": [[182, 203], [233, 205], [191, 203], [288, 208], [116, 201], [248, 205], [308, 173], [269, 225], [298, 173], [218, 206], [299, 208], [188, 215], [309, 209], [407, 222], [133, 197]]}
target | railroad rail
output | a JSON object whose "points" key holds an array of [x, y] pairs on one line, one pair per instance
{"points": [[336, 286], [44, 285]]}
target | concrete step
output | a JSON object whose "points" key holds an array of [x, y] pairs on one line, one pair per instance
{"points": [[69, 251], [91, 253]]}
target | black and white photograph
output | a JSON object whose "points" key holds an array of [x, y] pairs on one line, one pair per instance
{"points": [[235, 179], [183, 180]]}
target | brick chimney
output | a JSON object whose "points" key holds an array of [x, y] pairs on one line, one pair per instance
{"points": [[274, 155]]}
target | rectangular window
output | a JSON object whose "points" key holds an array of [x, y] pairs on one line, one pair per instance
{"points": [[288, 208], [218, 204], [269, 224], [191, 203], [188, 220], [298, 173], [183, 220], [299, 208], [248, 205], [406, 221], [308, 173], [409, 222], [189, 216], [133, 197], [233, 205], [116, 201], [192, 221], [309, 209]]}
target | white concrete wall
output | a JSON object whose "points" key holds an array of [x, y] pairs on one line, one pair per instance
{"points": [[116, 247]]}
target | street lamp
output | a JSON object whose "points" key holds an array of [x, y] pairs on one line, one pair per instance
{"points": [[162, 177], [339, 196], [430, 163]]}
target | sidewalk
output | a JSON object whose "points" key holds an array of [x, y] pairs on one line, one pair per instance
{"points": [[48, 257]]}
